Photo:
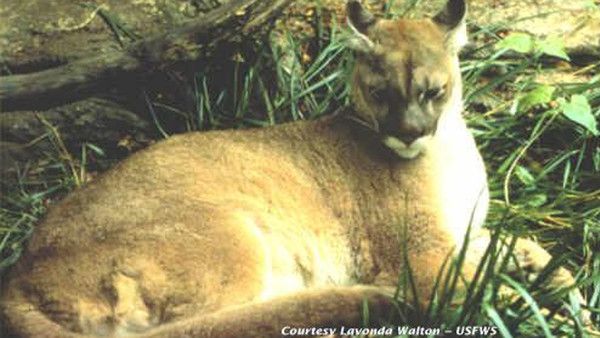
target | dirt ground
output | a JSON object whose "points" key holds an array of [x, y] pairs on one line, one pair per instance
{"points": [[38, 34]]}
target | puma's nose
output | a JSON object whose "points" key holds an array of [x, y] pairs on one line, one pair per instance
{"points": [[410, 134]]}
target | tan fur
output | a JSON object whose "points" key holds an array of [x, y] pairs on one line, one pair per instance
{"points": [[239, 233]]}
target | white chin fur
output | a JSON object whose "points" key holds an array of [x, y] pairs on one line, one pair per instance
{"points": [[404, 151]]}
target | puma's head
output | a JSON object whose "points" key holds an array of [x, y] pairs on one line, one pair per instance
{"points": [[406, 74]]}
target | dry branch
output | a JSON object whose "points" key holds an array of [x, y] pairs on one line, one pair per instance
{"points": [[101, 122], [190, 42]]}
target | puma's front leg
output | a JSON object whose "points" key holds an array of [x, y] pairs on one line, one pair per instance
{"points": [[528, 257]]}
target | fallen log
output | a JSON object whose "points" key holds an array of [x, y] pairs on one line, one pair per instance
{"points": [[230, 22], [27, 136]]}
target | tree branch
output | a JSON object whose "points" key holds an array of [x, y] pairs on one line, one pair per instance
{"points": [[190, 42]]}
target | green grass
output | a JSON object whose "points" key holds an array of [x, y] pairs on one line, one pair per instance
{"points": [[544, 168]]}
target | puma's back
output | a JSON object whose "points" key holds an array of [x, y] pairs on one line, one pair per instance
{"points": [[234, 233]]}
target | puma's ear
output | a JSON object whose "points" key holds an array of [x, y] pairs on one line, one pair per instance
{"points": [[452, 20], [359, 20]]}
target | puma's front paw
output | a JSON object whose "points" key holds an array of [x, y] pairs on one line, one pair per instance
{"points": [[532, 259]]}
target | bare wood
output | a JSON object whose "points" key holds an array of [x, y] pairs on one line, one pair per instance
{"points": [[77, 122], [94, 120], [188, 43]]}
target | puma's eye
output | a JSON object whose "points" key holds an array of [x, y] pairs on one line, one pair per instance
{"points": [[378, 94], [431, 94]]}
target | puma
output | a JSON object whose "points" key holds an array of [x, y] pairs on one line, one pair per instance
{"points": [[245, 233]]}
